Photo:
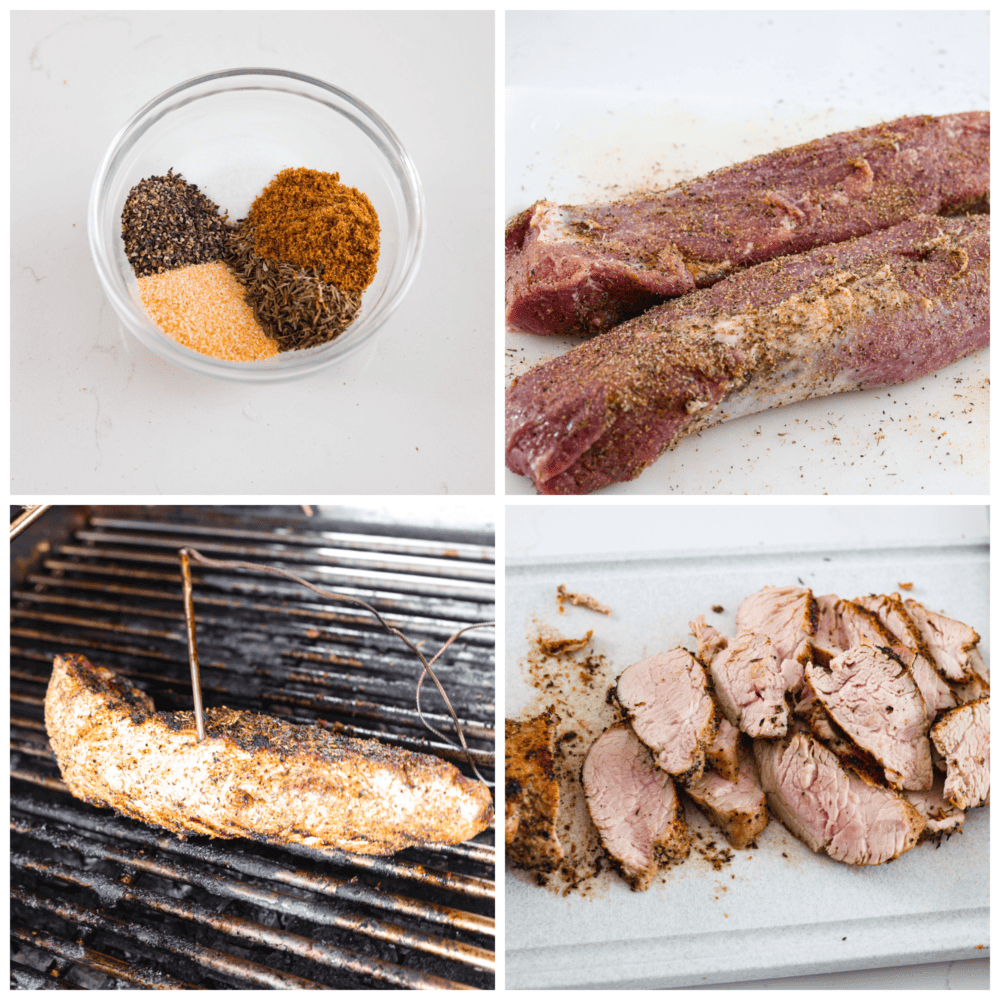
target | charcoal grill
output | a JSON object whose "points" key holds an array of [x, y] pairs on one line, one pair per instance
{"points": [[102, 902]]}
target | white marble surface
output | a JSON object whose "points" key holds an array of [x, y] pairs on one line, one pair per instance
{"points": [[95, 413], [599, 103]]}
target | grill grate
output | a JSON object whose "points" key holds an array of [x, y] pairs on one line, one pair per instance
{"points": [[104, 902]]}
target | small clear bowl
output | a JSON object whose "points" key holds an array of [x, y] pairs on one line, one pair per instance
{"points": [[230, 133]]}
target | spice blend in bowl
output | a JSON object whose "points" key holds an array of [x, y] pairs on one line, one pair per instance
{"points": [[300, 261], [231, 133]]}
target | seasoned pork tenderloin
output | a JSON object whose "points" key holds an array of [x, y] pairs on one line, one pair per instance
{"points": [[531, 792], [583, 269], [634, 806], [962, 736], [891, 612], [938, 813], [667, 699], [724, 753], [867, 313], [252, 776], [949, 641], [830, 808], [788, 616], [875, 701], [749, 685], [738, 809]]}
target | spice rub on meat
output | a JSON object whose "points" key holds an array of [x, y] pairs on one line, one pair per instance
{"points": [[871, 312], [531, 793], [253, 776], [583, 269]]}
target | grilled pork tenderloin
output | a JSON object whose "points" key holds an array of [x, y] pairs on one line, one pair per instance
{"points": [[875, 701], [666, 697], [962, 736], [830, 808], [748, 683], [531, 793], [633, 805], [738, 809], [252, 776]]}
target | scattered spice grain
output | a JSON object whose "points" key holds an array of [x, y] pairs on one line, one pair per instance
{"points": [[168, 223], [202, 307], [308, 218], [292, 304]]}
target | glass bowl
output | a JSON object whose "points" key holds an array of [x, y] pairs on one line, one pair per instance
{"points": [[230, 133]]}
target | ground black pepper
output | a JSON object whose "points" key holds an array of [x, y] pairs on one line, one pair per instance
{"points": [[168, 223]]}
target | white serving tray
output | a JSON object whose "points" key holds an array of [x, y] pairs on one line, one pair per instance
{"points": [[576, 147], [780, 916]]}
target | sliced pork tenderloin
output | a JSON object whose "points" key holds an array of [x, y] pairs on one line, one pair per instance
{"points": [[831, 809], [724, 753], [738, 809], [667, 699], [912, 650], [788, 617], [875, 701], [938, 813], [979, 684], [711, 642], [531, 792], [962, 737], [949, 641], [634, 806], [750, 686]]}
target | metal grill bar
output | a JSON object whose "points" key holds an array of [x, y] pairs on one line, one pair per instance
{"points": [[380, 598], [126, 972], [23, 978], [341, 889], [234, 889], [326, 574], [156, 937], [316, 951], [419, 626], [326, 554], [376, 543]]}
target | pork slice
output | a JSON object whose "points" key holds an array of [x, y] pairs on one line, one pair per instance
{"points": [[738, 809], [253, 775], [850, 755], [788, 616], [710, 640], [634, 806], [912, 650], [938, 813], [531, 792], [867, 313], [667, 699], [831, 809], [750, 686], [723, 755], [962, 736], [876, 702], [582, 269], [949, 641]]}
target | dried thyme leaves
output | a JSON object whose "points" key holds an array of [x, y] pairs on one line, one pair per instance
{"points": [[168, 223], [292, 304]]}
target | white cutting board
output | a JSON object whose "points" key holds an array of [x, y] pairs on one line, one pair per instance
{"points": [[581, 146], [781, 915]]}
